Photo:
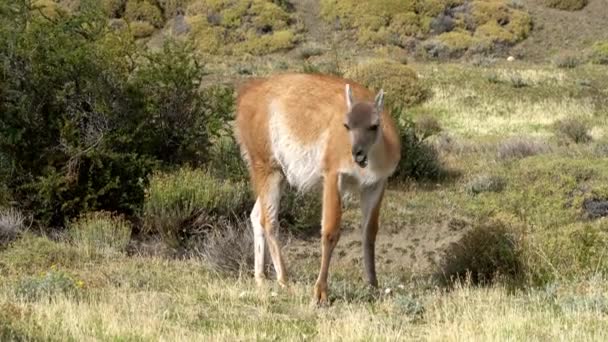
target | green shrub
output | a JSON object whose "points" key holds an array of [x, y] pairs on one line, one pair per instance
{"points": [[567, 5], [48, 9], [419, 159], [141, 29], [104, 114], [478, 25], [114, 8], [48, 285], [178, 120], [144, 10], [226, 161], [101, 232], [244, 26], [489, 250], [599, 53], [454, 43], [486, 183], [573, 130], [181, 204], [400, 83], [171, 7]]}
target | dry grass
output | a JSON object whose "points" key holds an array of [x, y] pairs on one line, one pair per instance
{"points": [[12, 224], [179, 300]]}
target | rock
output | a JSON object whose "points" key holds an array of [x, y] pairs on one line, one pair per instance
{"points": [[595, 208]]}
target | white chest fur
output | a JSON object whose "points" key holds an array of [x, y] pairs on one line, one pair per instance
{"points": [[301, 164]]}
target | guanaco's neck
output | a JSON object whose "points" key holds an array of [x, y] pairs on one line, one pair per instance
{"points": [[379, 156]]}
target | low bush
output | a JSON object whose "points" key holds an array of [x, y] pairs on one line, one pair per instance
{"points": [[144, 10], [12, 225], [185, 205], [400, 82], [228, 247], [599, 53], [486, 183], [521, 147], [235, 27], [188, 202], [567, 60], [48, 285], [419, 158], [114, 8], [491, 250], [567, 5], [572, 130], [141, 29], [101, 232]]}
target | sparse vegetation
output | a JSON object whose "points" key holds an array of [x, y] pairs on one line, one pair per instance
{"points": [[599, 53], [567, 60], [226, 248], [101, 232], [12, 225], [573, 130], [521, 147], [567, 5]]}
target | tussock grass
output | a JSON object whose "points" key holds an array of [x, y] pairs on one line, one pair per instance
{"points": [[12, 224]]}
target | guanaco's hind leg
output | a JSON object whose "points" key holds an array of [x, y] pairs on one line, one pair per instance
{"points": [[258, 241], [265, 223], [371, 199], [330, 233]]}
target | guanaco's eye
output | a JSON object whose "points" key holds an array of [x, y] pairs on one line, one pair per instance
{"points": [[373, 128], [346, 126]]}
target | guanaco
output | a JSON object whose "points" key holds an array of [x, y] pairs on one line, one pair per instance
{"points": [[315, 130]]}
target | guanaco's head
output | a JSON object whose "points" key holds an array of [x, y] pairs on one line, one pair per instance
{"points": [[362, 121]]}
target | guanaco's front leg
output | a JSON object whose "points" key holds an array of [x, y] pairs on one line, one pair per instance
{"points": [[371, 200], [330, 233]]}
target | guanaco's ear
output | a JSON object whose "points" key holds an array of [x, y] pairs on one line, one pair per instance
{"points": [[349, 97], [379, 101]]}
